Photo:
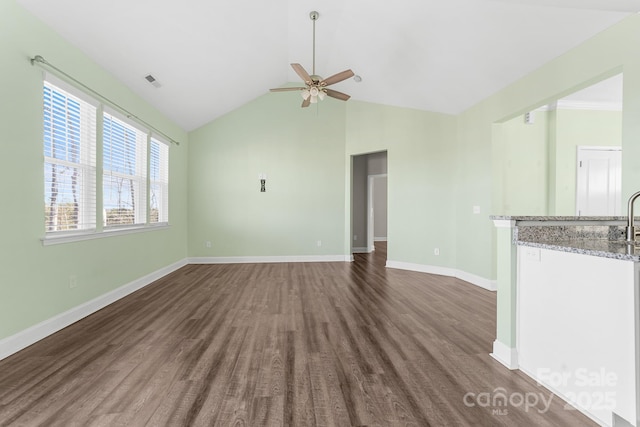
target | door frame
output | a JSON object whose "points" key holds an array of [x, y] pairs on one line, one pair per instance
{"points": [[583, 148], [370, 211]]}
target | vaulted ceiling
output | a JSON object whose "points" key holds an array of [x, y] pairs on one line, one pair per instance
{"points": [[211, 57]]}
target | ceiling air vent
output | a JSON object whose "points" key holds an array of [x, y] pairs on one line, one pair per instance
{"points": [[152, 80]]}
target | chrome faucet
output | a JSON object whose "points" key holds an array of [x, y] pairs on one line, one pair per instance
{"points": [[631, 229]]}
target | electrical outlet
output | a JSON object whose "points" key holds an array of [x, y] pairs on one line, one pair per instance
{"points": [[476, 209], [73, 281], [355, 237], [207, 244], [436, 251], [319, 243]]}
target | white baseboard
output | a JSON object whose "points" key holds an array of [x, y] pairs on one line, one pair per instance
{"points": [[363, 250], [270, 259], [422, 268], [379, 239], [506, 355], [490, 285], [35, 333], [571, 403]]}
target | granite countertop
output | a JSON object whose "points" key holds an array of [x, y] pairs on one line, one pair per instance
{"points": [[601, 236], [558, 218], [615, 249]]}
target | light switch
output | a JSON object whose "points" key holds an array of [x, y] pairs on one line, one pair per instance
{"points": [[476, 209]]}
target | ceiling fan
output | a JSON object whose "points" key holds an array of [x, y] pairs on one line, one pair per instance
{"points": [[315, 86]]}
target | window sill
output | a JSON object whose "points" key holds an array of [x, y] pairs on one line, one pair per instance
{"points": [[69, 237]]}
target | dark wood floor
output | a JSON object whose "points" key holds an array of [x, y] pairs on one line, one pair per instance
{"points": [[277, 344]]}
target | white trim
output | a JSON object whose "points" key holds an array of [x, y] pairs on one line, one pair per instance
{"points": [[64, 237], [360, 250], [35, 333], [422, 268], [506, 355], [565, 104], [600, 147], [379, 239], [490, 285], [270, 259], [568, 405]]}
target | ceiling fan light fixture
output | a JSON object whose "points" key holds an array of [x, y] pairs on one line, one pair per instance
{"points": [[315, 85]]}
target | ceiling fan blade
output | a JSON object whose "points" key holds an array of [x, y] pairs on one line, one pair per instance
{"points": [[337, 95], [306, 102], [337, 78], [302, 73], [285, 89]]}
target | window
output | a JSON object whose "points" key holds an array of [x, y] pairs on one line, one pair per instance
{"points": [[133, 174], [159, 182], [69, 161], [125, 173]]}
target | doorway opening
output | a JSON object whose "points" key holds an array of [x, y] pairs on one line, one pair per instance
{"points": [[369, 202]]}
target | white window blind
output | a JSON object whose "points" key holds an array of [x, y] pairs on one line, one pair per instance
{"points": [[159, 182], [70, 161], [125, 173], [135, 168]]}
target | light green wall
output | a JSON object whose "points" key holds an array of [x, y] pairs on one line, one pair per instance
{"points": [[420, 165], [306, 154], [520, 166], [574, 128], [302, 153], [534, 165], [439, 167], [34, 280], [614, 50]]}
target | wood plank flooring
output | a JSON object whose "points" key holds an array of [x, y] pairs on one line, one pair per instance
{"points": [[316, 344]]}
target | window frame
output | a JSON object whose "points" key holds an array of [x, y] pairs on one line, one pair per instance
{"points": [[162, 182], [87, 163], [140, 177], [95, 193]]}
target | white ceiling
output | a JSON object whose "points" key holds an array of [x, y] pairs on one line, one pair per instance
{"points": [[214, 56]]}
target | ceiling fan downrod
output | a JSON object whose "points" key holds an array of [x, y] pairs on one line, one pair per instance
{"points": [[315, 86], [314, 17]]}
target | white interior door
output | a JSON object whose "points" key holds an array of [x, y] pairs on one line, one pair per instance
{"points": [[375, 204], [599, 181], [370, 213]]}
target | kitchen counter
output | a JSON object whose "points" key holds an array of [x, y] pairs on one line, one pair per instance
{"points": [[615, 249], [594, 236], [557, 218], [567, 302]]}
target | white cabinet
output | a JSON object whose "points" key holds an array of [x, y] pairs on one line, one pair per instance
{"points": [[576, 329]]}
